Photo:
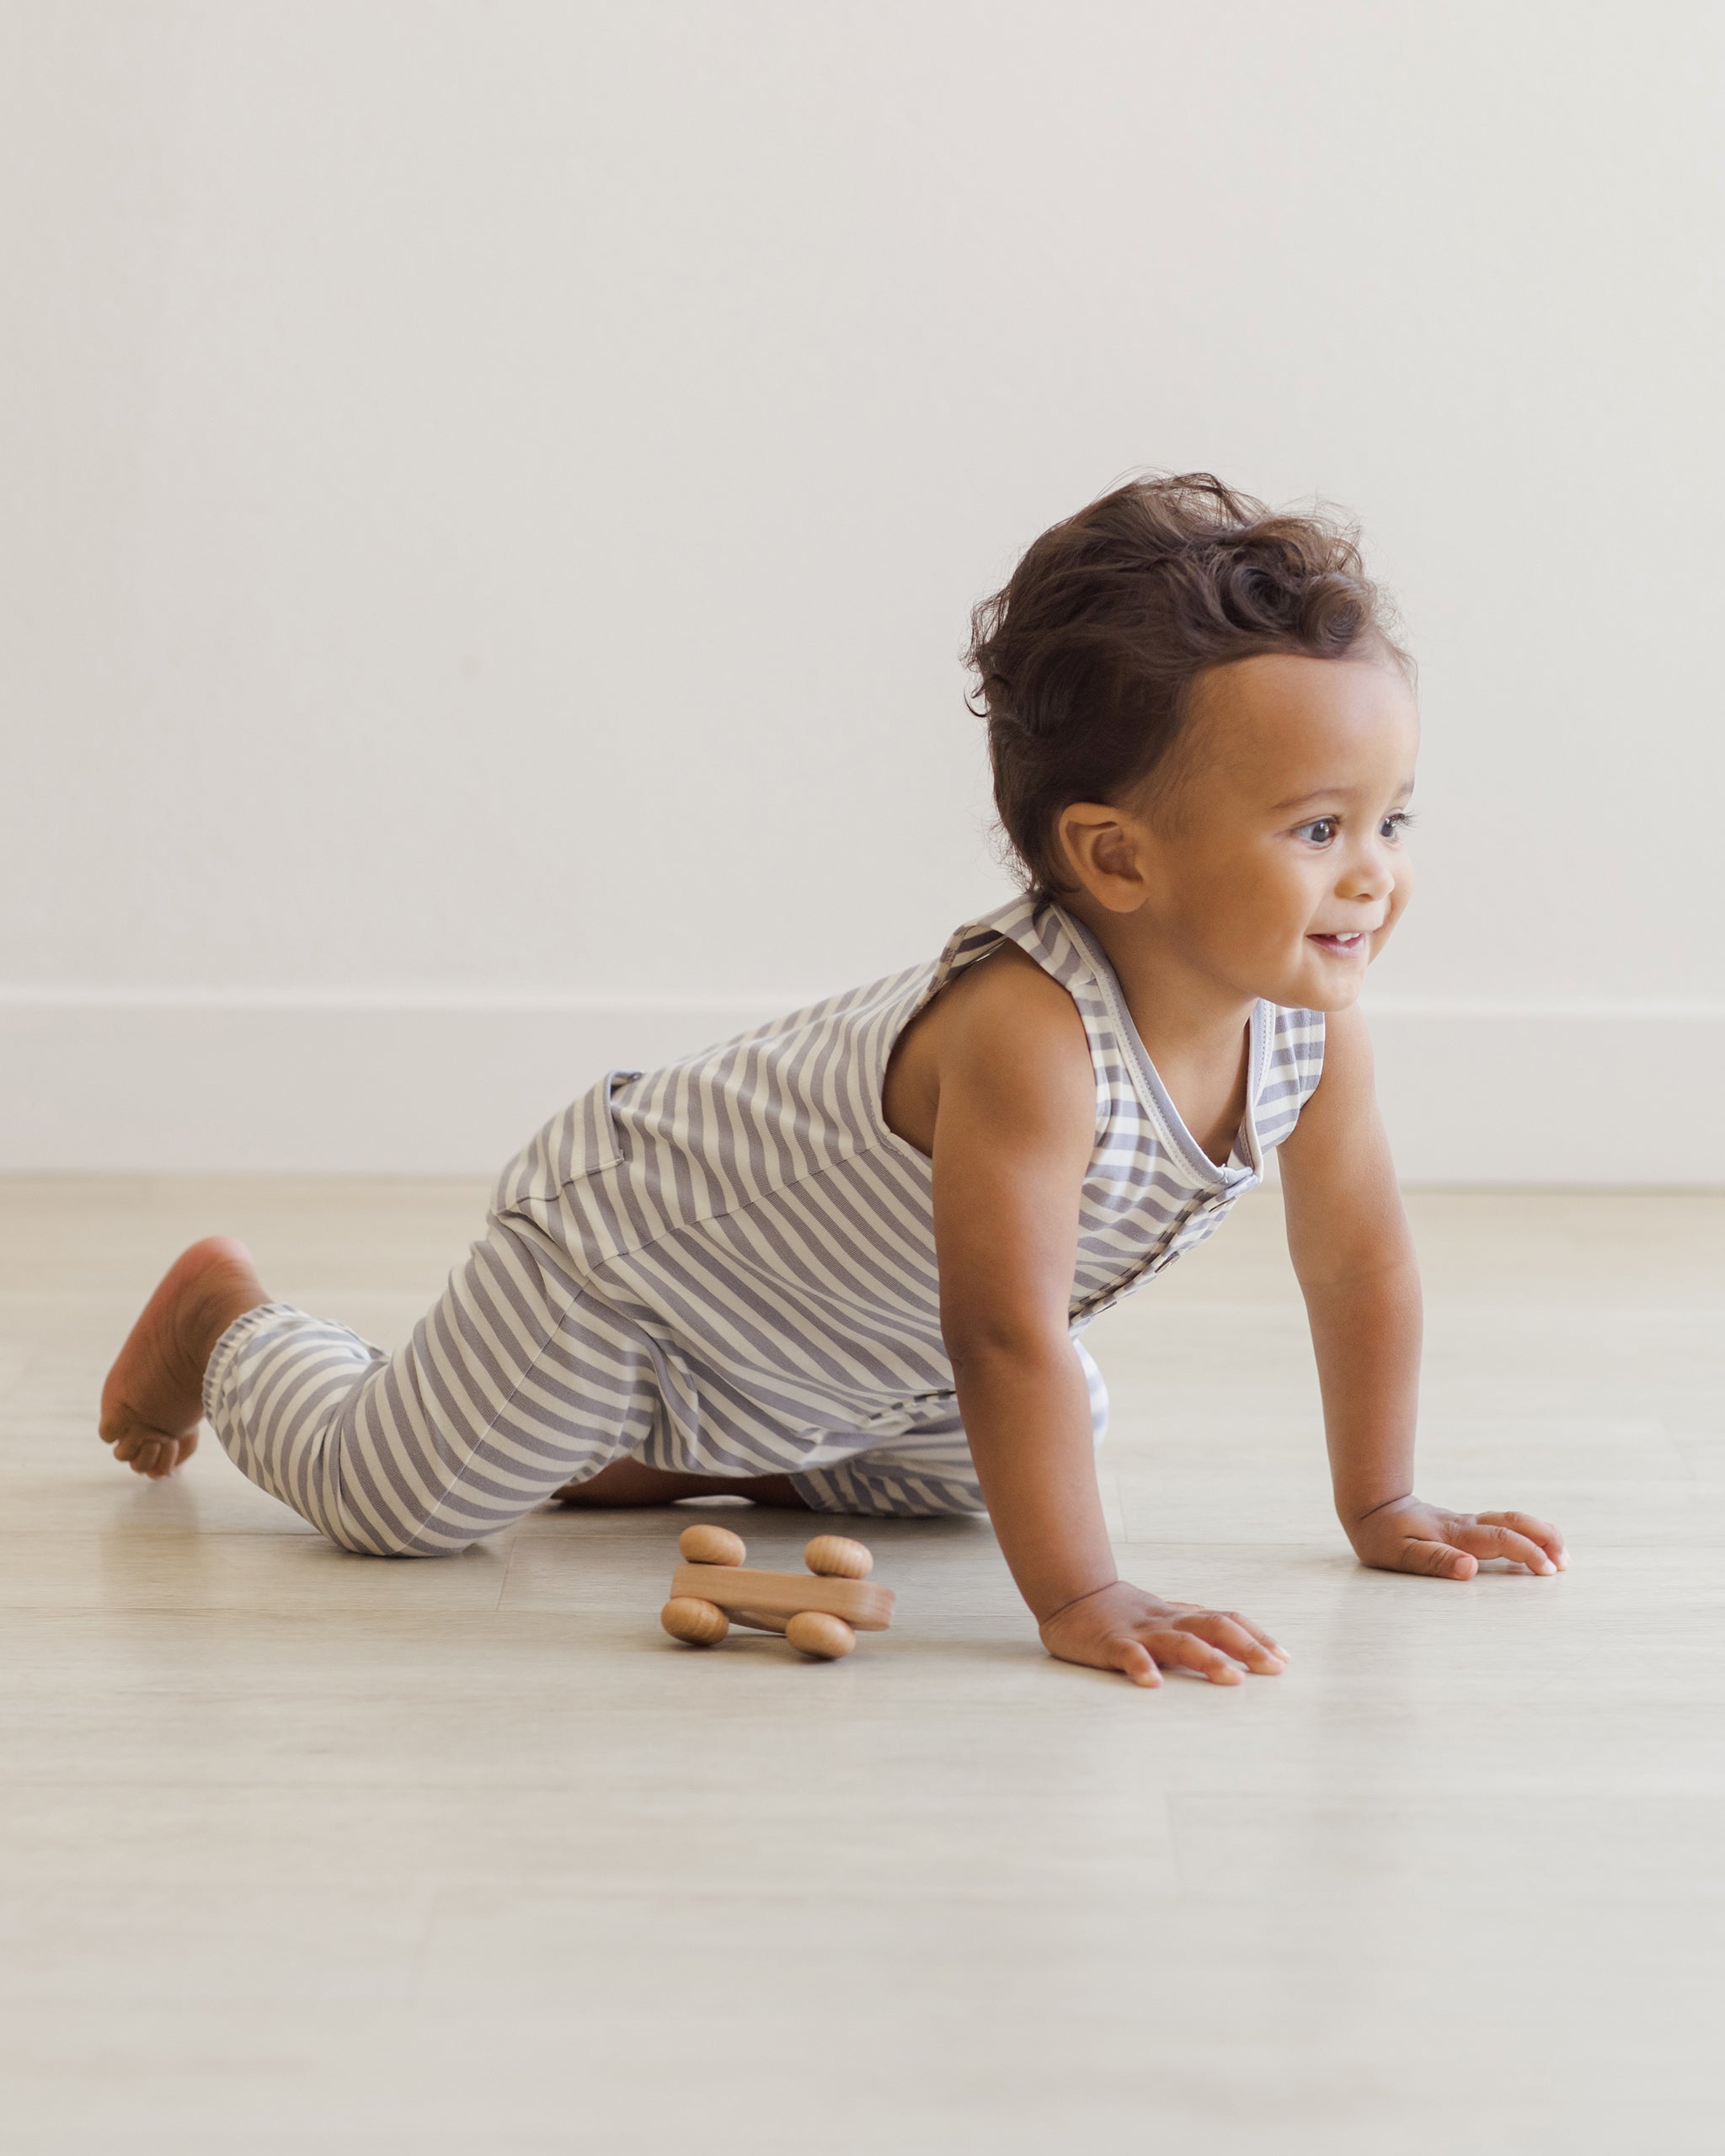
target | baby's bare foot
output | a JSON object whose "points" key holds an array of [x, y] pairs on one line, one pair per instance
{"points": [[154, 1395]]}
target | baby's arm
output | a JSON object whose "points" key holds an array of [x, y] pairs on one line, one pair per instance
{"points": [[1015, 1123], [1349, 1238]]}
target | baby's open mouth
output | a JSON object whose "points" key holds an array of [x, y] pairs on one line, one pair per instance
{"points": [[1347, 945]]}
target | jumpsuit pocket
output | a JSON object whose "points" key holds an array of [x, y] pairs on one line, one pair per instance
{"points": [[580, 1140]]}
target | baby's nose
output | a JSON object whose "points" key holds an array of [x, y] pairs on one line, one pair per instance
{"points": [[1371, 875]]}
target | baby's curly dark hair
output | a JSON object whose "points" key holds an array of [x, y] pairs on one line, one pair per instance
{"points": [[1085, 662]]}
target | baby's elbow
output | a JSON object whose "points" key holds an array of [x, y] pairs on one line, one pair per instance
{"points": [[1002, 1340]]}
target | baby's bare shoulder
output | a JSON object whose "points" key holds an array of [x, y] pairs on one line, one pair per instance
{"points": [[1008, 988], [1008, 1017], [1001, 1043], [1014, 1082]]}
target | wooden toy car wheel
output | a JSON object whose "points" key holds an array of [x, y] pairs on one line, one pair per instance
{"points": [[812, 1632], [701, 1624]]}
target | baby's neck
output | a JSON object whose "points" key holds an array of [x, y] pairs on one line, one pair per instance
{"points": [[1195, 1029], [1182, 1013]]}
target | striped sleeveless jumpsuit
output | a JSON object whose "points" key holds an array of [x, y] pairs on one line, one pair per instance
{"points": [[727, 1267]]}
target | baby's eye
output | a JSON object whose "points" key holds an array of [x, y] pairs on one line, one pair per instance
{"points": [[1394, 824], [1321, 830]]}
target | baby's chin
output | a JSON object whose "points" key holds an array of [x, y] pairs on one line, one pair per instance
{"points": [[1305, 981], [1319, 986], [1332, 996]]}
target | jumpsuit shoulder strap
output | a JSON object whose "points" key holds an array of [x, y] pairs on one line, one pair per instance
{"points": [[1035, 926]]}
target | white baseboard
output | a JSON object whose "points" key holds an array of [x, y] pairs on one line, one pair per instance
{"points": [[1618, 1094]]}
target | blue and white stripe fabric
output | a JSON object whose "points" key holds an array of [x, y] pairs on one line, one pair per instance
{"points": [[727, 1266]]}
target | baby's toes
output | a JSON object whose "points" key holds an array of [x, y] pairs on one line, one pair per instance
{"points": [[127, 1435]]}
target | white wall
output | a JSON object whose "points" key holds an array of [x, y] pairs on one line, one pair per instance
{"points": [[492, 495]]}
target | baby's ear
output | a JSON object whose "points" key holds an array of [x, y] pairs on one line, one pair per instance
{"points": [[1106, 849]]}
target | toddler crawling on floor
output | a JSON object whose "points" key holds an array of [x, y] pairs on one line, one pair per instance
{"points": [[842, 1261]]}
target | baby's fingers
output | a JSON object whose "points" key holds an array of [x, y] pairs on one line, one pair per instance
{"points": [[1538, 1531], [1133, 1659], [1228, 1630], [1486, 1538], [1186, 1651], [1438, 1561]]}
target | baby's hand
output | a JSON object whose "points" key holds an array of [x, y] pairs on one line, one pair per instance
{"points": [[1412, 1537], [1121, 1627]]}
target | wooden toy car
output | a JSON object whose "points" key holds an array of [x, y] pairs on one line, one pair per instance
{"points": [[820, 1616]]}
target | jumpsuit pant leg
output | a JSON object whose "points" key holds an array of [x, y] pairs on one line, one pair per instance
{"points": [[513, 1385], [926, 1472]]}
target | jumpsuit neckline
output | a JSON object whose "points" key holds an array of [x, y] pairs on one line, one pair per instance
{"points": [[1244, 1160]]}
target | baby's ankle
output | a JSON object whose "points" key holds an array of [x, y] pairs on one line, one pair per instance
{"points": [[227, 1287]]}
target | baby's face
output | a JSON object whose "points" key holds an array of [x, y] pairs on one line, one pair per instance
{"points": [[1282, 865]]}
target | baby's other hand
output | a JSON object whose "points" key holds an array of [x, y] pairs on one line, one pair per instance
{"points": [[1121, 1627], [1409, 1536]]}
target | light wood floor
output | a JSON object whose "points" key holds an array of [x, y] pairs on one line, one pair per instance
{"points": [[310, 1852]]}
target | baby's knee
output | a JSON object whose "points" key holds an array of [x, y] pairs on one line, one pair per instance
{"points": [[393, 1538]]}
